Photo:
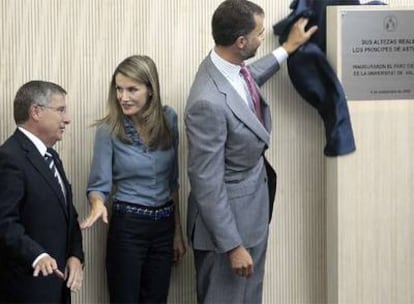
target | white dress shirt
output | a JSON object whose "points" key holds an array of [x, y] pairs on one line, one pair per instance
{"points": [[232, 73]]}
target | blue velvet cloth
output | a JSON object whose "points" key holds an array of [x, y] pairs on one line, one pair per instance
{"points": [[313, 77]]}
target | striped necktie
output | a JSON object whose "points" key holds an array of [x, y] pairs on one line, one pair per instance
{"points": [[254, 93], [51, 165]]}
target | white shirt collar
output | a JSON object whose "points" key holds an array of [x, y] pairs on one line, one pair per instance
{"points": [[40, 146], [232, 73], [228, 69]]}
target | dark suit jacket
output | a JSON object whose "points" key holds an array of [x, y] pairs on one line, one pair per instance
{"points": [[34, 218]]}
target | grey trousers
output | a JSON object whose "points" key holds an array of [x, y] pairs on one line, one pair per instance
{"points": [[218, 284]]}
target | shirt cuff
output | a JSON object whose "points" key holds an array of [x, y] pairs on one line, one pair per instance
{"points": [[38, 258], [99, 193], [280, 54]]}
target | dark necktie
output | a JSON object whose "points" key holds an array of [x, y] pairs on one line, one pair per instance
{"points": [[51, 165], [254, 93]]}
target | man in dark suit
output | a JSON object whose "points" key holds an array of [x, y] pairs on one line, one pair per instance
{"points": [[41, 252], [228, 129]]}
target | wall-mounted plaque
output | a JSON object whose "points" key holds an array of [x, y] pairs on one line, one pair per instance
{"points": [[378, 54]]}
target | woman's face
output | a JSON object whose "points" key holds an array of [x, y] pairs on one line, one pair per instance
{"points": [[131, 95]]}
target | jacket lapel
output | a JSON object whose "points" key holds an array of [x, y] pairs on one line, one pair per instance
{"points": [[267, 119], [40, 165], [236, 104]]}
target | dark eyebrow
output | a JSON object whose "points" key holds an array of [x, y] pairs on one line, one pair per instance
{"points": [[127, 88]]}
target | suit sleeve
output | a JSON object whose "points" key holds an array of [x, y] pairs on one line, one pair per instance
{"points": [[264, 68], [13, 237], [207, 131], [75, 245]]}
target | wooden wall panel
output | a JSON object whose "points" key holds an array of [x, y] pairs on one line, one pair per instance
{"points": [[370, 231], [78, 43]]}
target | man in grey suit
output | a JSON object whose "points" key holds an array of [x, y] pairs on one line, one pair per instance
{"points": [[228, 209]]}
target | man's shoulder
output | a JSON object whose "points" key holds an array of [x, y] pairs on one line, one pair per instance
{"points": [[12, 152], [205, 81], [205, 91], [10, 145]]}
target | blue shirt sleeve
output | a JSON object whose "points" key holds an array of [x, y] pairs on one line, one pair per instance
{"points": [[100, 176], [173, 124]]}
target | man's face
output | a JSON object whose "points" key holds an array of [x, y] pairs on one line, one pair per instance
{"points": [[53, 119], [254, 39]]}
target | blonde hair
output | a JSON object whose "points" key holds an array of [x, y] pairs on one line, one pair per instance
{"points": [[141, 69]]}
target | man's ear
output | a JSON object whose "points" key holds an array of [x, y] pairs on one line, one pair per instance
{"points": [[240, 42], [35, 112]]}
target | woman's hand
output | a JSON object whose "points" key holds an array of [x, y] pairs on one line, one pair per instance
{"points": [[179, 246], [98, 210]]}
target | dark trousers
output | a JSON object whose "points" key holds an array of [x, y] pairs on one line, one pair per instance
{"points": [[139, 258], [17, 284], [29, 289]]}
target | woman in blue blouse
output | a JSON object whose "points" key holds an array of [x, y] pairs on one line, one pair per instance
{"points": [[135, 163]]}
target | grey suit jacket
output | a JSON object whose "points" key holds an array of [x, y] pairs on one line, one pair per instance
{"points": [[229, 201]]}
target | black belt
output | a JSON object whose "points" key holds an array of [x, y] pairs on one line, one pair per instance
{"points": [[155, 213]]}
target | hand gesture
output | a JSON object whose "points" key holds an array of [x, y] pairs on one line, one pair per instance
{"points": [[98, 210], [47, 266]]}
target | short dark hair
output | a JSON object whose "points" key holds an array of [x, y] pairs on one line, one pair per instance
{"points": [[232, 19], [33, 92]]}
